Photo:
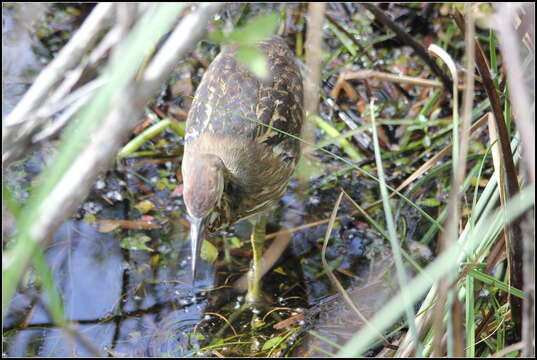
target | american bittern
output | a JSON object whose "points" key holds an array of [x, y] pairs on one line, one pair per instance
{"points": [[235, 166]]}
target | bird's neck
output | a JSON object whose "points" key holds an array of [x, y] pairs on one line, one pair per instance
{"points": [[221, 216]]}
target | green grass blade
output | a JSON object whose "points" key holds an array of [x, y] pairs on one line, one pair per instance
{"points": [[487, 279], [396, 250], [445, 263], [148, 134], [346, 146], [470, 318]]}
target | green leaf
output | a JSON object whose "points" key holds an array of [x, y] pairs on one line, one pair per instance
{"points": [[136, 242], [257, 323], [256, 30], [430, 202], [235, 241], [254, 60], [144, 206], [270, 343], [163, 183], [209, 252]]}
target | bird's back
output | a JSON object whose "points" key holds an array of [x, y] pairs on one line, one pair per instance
{"points": [[231, 101], [227, 116]]}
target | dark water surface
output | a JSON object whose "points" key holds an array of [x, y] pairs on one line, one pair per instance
{"points": [[121, 304], [128, 302]]}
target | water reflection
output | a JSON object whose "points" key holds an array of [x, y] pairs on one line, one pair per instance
{"points": [[120, 303]]}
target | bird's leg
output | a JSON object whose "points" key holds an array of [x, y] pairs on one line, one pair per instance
{"points": [[258, 240]]}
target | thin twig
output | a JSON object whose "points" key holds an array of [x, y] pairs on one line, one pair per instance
{"points": [[19, 124], [401, 79]]}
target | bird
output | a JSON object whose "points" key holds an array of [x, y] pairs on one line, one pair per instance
{"points": [[238, 156]]}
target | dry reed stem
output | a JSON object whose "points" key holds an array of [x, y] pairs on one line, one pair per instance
{"points": [[312, 79]]}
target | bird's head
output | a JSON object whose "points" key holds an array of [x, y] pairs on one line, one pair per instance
{"points": [[203, 186]]}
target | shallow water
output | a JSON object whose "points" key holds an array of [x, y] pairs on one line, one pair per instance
{"points": [[121, 305], [129, 302]]}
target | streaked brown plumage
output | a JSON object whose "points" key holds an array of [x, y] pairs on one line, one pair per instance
{"points": [[234, 167]]}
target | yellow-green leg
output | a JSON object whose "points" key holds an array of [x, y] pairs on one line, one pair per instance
{"points": [[254, 297], [254, 275]]}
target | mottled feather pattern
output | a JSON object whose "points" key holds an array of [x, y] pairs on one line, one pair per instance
{"points": [[259, 161], [231, 94]]}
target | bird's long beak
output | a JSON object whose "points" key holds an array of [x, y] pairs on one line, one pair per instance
{"points": [[197, 233]]}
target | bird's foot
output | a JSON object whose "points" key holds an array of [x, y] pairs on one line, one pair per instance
{"points": [[249, 315], [258, 310], [259, 307]]}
